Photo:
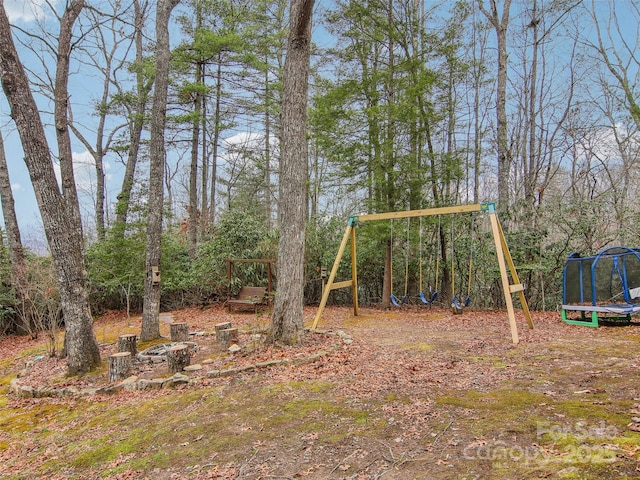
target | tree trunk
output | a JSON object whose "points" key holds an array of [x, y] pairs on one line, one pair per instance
{"points": [[217, 120], [16, 250], [287, 321], [504, 154], [198, 102], [61, 109], [61, 229], [143, 87], [151, 307]]}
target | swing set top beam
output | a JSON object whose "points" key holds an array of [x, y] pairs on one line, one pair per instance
{"points": [[477, 207]]}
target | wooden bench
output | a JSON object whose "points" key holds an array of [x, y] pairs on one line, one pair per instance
{"points": [[249, 297]]}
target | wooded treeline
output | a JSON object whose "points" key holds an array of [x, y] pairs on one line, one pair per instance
{"points": [[531, 104]]}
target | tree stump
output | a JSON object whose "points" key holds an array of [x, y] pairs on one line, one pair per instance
{"points": [[227, 337], [179, 332], [222, 326], [127, 343], [119, 366], [178, 357]]}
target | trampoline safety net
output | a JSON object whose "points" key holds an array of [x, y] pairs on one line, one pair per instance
{"points": [[610, 277]]}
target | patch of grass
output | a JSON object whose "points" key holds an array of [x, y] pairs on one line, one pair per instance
{"points": [[419, 347], [501, 400], [188, 425], [603, 412], [495, 362], [292, 387], [6, 380], [20, 420]]}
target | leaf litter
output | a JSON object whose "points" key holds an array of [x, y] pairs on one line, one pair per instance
{"points": [[418, 393]]}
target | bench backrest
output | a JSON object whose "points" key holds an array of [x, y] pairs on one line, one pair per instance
{"points": [[251, 293]]}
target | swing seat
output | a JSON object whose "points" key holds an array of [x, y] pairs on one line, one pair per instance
{"points": [[396, 302], [467, 301], [429, 301], [457, 308]]}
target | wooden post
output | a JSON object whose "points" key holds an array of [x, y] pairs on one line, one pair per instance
{"points": [[179, 332], [503, 276], [119, 366], [127, 343], [227, 337], [178, 357]]}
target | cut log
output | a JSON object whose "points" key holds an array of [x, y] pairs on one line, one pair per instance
{"points": [[127, 343], [222, 326], [227, 337], [119, 366], [178, 357], [179, 332]]}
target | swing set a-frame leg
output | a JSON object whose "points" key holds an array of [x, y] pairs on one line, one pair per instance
{"points": [[502, 252], [349, 234]]}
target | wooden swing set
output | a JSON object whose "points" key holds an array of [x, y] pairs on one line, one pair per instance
{"points": [[502, 253]]}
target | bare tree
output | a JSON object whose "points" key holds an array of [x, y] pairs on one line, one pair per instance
{"points": [[16, 250], [617, 50], [136, 113], [500, 22], [59, 209], [287, 321], [151, 307], [102, 55]]}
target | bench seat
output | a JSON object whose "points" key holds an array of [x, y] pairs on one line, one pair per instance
{"points": [[249, 296]]}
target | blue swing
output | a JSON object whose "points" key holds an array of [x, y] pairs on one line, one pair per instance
{"points": [[428, 301]]}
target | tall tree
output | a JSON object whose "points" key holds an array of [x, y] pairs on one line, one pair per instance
{"points": [[500, 23], [151, 307], [59, 209], [103, 56], [617, 50], [16, 249], [135, 105], [287, 321]]}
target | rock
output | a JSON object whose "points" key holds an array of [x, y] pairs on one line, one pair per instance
{"points": [[110, 389], [130, 383], [193, 368], [235, 348], [153, 384], [179, 379], [73, 390]]}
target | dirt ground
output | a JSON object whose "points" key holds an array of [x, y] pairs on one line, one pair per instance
{"points": [[411, 393]]}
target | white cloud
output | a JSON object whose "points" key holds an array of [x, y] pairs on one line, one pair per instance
{"points": [[245, 139], [84, 172], [26, 10], [16, 187]]}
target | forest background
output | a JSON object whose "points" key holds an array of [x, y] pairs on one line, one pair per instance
{"points": [[531, 104]]}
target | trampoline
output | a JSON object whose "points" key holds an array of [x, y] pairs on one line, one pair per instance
{"points": [[605, 286]]}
